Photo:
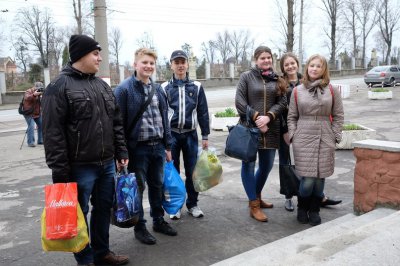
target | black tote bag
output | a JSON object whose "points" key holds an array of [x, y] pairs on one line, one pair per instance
{"points": [[242, 142], [290, 181]]}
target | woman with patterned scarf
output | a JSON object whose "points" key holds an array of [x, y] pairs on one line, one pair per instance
{"points": [[261, 95]]}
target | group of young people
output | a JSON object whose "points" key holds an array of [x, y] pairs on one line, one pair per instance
{"points": [[304, 111], [91, 131]]}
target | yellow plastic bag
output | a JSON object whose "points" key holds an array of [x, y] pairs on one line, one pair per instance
{"points": [[75, 244], [207, 172]]}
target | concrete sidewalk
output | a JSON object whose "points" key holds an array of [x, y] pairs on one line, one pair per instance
{"points": [[225, 231]]}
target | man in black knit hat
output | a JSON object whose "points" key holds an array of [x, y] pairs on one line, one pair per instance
{"points": [[83, 135]]}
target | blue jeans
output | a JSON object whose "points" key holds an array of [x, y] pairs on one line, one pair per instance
{"points": [[253, 184], [188, 144], [30, 131], [312, 187], [147, 162], [95, 182]]}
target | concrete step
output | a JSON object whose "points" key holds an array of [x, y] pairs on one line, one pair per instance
{"points": [[275, 252], [360, 239]]}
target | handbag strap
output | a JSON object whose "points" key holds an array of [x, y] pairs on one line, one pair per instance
{"points": [[144, 106]]}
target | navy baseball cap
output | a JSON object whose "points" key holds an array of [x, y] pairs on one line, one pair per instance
{"points": [[178, 54]]}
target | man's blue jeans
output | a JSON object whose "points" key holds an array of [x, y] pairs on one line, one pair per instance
{"points": [[30, 132], [312, 186], [95, 182], [147, 162], [188, 144], [253, 184]]}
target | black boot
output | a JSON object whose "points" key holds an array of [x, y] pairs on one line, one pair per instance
{"points": [[302, 209], [314, 218]]}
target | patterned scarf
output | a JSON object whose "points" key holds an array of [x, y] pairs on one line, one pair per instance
{"points": [[268, 75]]}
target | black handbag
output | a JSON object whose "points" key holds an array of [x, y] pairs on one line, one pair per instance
{"points": [[290, 181], [242, 141]]}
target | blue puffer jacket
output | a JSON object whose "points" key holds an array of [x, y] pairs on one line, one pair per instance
{"points": [[187, 106], [130, 97]]}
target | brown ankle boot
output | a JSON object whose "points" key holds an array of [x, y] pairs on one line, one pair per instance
{"points": [[256, 212], [264, 204]]}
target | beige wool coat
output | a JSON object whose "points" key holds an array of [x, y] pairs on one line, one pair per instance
{"points": [[312, 134]]}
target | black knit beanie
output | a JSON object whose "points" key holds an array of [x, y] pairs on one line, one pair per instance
{"points": [[81, 45]]}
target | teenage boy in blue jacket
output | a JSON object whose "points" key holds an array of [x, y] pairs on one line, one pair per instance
{"points": [[187, 108], [148, 139]]}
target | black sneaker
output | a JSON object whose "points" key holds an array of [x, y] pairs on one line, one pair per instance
{"points": [[314, 218], [144, 236], [164, 228], [302, 216]]}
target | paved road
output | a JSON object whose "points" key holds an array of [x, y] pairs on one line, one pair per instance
{"points": [[225, 231]]}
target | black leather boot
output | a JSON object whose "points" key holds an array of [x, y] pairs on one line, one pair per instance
{"points": [[302, 209], [313, 215]]}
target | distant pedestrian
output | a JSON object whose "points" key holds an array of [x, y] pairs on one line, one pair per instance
{"points": [[188, 108], [145, 114], [265, 93], [315, 122], [83, 134], [32, 99]]}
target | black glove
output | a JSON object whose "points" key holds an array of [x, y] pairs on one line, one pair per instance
{"points": [[60, 179]]}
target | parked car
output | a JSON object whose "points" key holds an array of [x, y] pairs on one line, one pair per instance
{"points": [[386, 75]]}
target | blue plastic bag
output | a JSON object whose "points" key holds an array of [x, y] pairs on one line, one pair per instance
{"points": [[174, 189], [126, 207]]}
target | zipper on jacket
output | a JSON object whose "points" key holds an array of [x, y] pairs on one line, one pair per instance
{"points": [[182, 110], [77, 144], [265, 112], [101, 124]]}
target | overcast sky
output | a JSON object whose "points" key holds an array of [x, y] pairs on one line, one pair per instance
{"points": [[172, 23]]}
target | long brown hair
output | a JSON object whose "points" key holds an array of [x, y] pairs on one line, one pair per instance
{"points": [[325, 71], [282, 63], [281, 83]]}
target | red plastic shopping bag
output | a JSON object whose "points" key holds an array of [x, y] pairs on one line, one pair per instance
{"points": [[61, 210]]}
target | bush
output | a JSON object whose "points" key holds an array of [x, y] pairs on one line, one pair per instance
{"points": [[229, 112], [380, 90], [352, 127]]}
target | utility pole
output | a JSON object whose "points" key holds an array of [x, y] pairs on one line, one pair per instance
{"points": [[301, 37], [100, 31]]}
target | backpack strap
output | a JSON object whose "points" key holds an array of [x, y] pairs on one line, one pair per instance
{"points": [[333, 101]]}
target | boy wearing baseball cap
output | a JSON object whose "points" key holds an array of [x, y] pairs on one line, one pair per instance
{"points": [[188, 108]]}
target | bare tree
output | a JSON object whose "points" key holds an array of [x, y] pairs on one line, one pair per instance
{"points": [[388, 19], [78, 15], [83, 24], [367, 18], [287, 17], [209, 51], [380, 44], [332, 8], [146, 41], [22, 55], [223, 46], [37, 30], [351, 10], [115, 45], [236, 40], [187, 48]]}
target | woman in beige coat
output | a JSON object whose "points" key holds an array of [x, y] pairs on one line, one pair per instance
{"points": [[315, 123]]}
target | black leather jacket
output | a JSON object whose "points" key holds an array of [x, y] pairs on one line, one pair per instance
{"points": [[81, 123]]}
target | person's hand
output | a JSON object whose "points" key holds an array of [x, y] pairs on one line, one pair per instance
{"points": [[168, 156], [122, 163], [263, 129], [262, 121], [204, 144], [286, 138], [37, 93]]}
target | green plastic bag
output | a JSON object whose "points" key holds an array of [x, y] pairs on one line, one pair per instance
{"points": [[207, 172], [75, 244]]}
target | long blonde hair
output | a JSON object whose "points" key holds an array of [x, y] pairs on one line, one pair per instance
{"points": [[325, 71]]}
